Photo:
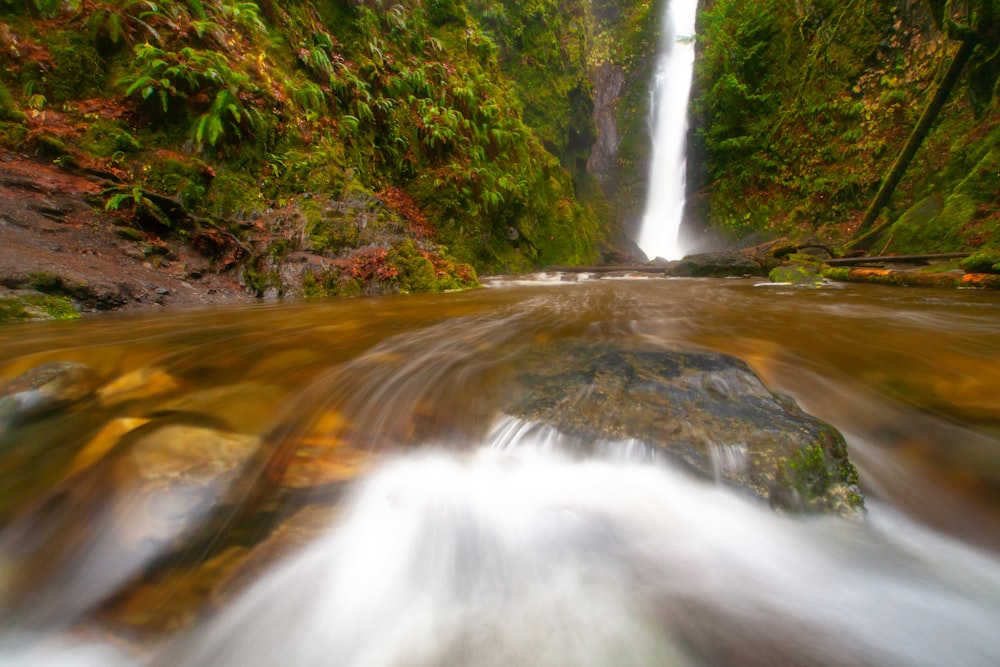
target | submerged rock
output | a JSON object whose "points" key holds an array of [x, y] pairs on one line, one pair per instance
{"points": [[44, 389], [129, 503], [706, 410]]}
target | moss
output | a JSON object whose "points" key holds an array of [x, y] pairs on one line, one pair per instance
{"points": [[813, 480], [982, 262], [175, 175], [837, 273], [54, 307], [57, 285], [422, 271], [234, 195], [78, 70], [8, 107], [916, 232], [36, 307], [52, 145], [12, 310], [130, 233], [105, 139], [12, 135], [797, 274]]}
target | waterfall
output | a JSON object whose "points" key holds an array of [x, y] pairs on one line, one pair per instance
{"points": [[659, 235]]}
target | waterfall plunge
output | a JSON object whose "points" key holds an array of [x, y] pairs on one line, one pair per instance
{"points": [[659, 235]]}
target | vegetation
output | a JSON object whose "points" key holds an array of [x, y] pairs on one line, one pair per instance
{"points": [[461, 133], [230, 109], [802, 109]]}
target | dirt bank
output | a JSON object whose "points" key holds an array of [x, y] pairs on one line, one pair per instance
{"points": [[53, 240]]}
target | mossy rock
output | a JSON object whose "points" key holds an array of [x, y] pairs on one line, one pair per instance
{"points": [[78, 71], [8, 107], [175, 175], [933, 226], [987, 261], [106, 139], [706, 411], [716, 265], [797, 274]]}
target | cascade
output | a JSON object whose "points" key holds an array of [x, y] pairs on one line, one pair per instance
{"points": [[659, 235]]}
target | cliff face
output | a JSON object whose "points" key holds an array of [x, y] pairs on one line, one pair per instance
{"points": [[323, 138], [801, 109]]}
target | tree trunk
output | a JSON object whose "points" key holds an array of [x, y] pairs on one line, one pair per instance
{"points": [[923, 127]]}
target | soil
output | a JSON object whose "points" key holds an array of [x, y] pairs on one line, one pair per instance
{"points": [[54, 239]]}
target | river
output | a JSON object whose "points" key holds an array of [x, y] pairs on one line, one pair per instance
{"points": [[427, 529]]}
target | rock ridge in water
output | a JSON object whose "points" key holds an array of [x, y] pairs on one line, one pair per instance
{"points": [[706, 410]]}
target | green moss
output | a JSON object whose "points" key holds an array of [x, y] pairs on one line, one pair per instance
{"points": [[130, 233], [52, 145], [837, 273], [12, 135], [917, 233], [982, 262], [812, 480], [234, 195], [78, 70], [12, 310], [107, 138], [420, 271], [8, 107], [797, 274], [36, 307], [54, 307], [175, 175]]}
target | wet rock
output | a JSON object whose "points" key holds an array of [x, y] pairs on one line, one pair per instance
{"points": [[716, 265], [706, 410], [808, 275], [97, 530], [103, 442], [327, 453], [142, 383], [44, 389], [246, 406], [175, 597]]}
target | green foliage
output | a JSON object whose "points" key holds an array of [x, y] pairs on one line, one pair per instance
{"points": [[77, 70], [281, 100], [8, 106], [982, 262], [108, 139], [801, 108], [24, 307]]}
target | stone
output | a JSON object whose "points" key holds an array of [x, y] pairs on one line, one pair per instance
{"points": [[98, 530], [716, 265], [707, 411], [142, 383], [44, 389]]}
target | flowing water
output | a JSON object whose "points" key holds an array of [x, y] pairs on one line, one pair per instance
{"points": [[363, 500], [659, 235]]}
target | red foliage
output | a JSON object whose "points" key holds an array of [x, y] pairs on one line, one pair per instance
{"points": [[372, 263], [403, 205]]}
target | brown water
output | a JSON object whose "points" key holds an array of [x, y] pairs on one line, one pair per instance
{"points": [[309, 395]]}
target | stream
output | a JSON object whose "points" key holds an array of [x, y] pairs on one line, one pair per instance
{"points": [[335, 483]]}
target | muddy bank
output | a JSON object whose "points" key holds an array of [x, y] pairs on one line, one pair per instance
{"points": [[53, 241]]}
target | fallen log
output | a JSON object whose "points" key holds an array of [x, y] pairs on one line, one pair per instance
{"points": [[850, 261]]}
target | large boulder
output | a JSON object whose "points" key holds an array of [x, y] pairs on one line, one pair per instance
{"points": [[707, 411], [724, 264]]}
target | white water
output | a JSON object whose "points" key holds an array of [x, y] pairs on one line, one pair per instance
{"points": [[518, 554], [659, 235]]}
